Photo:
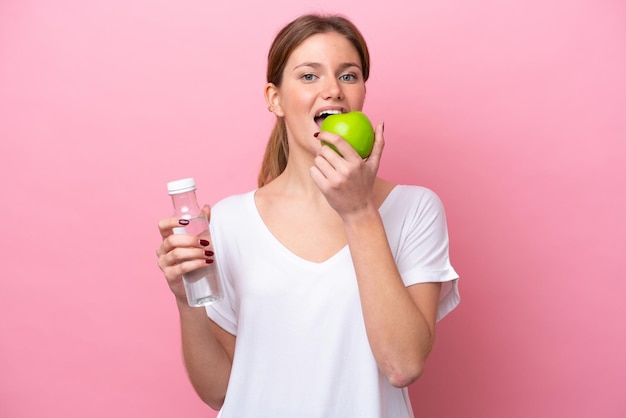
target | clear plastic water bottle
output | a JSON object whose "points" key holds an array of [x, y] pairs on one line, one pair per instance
{"points": [[202, 286]]}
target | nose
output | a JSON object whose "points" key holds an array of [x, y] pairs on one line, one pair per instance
{"points": [[332, 89]]}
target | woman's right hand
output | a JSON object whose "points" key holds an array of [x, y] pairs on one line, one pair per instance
{"points": [[179, 253]]}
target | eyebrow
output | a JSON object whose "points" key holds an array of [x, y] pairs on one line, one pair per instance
{"points": [[318, 65]]}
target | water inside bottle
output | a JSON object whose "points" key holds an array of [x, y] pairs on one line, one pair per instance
{"points": [[201, 285]]}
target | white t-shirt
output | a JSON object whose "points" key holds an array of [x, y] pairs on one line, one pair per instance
{"points": [[301, 348]]}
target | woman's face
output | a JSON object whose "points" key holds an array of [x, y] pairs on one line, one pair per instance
{"points": [[323, 75]]}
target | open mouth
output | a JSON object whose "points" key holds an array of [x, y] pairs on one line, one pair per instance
{"points": [[319, 118]]}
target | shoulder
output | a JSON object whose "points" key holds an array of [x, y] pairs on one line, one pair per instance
{"points": [[412, 204], [233, 204], [415, 196]]}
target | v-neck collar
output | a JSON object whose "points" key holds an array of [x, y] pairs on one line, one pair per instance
{"points": [[342, 252]]}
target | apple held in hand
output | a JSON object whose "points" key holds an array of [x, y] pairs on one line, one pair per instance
{"points": [[354, 127]]}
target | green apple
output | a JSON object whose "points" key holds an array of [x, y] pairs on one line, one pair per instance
{"points": [[354, 127]]}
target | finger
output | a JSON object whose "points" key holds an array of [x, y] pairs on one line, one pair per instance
{"points": [[207, 210], [323, 165], [174, 241], [318, 178], [174, 272], [181, 255], [344, 149], [167, 225], [183, 260]]}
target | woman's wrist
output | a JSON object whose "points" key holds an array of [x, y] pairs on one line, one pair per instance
{"points": [[361, 216], [185, 310]]}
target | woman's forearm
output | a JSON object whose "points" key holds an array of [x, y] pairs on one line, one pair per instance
{"points": [[399, 332], [207, 362]]}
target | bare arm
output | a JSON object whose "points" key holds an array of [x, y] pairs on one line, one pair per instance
{"points": [[400, 321], [208, 354], [207, 348]]}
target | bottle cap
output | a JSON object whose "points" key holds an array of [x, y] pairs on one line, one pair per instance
{"points": [[181, 186]]}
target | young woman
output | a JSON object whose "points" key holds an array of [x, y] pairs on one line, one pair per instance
{"points": [[333, 277]]}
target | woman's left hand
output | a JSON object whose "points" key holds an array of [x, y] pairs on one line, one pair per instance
{"points": [[347, 180]]}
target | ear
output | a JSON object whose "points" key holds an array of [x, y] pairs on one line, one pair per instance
{"points": [[272, 98]]}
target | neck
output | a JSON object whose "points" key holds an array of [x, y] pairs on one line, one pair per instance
{"points": [[296, 180]]}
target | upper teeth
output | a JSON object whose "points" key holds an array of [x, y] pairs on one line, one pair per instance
{"points": [[327, 112]]}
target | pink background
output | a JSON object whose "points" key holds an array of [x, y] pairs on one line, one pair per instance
{"points": [[513, 112]]}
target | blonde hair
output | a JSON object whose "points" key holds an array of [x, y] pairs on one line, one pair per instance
{"points": [[289, 38]]}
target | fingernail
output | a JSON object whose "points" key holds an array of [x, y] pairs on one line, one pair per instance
{"points": [[183, 222], [209, 253], [316, 134], [204, 242], [209, 261], [382, 122]]}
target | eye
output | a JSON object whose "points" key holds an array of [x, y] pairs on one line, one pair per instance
{"points": [[349, 78], [308, 77]]}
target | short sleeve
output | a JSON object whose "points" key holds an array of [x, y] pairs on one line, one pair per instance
{"points": [[423, 248], [222, 312]]}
